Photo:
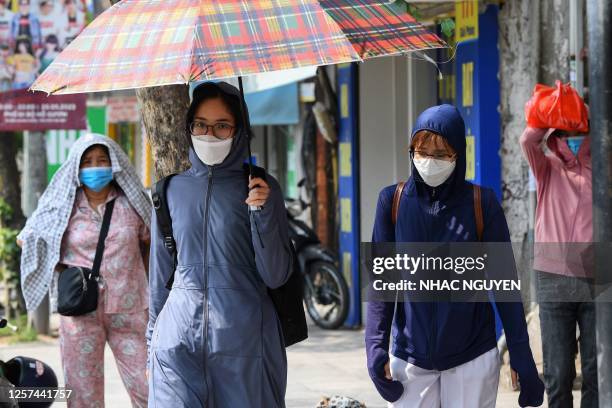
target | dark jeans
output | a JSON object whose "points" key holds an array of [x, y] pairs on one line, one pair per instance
{"points": [[558, 324]]}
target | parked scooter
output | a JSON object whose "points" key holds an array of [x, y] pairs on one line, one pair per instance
{"points": [[325, 290], [23, 372]]}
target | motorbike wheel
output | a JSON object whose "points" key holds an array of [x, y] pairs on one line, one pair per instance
{"points": [[326, 295]]}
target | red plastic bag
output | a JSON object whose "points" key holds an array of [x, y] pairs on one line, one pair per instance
{"points": [[557, 107]]}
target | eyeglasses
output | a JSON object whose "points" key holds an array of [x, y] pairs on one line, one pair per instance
{"points": [[218, 130], [420, 153]]}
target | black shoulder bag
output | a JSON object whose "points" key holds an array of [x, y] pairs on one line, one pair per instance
{"points": [[78, 287]]}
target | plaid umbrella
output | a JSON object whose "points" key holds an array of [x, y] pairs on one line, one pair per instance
{"points": [[141, 43]]}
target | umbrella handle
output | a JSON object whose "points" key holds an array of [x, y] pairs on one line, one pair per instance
{"points": [[247, 128]]}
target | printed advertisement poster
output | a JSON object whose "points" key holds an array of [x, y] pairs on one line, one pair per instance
{"points": [[32, 34]]}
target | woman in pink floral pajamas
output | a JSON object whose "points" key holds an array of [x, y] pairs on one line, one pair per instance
{"points": [[121, 317]]}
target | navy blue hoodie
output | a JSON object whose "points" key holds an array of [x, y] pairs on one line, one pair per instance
{"points": [[443, 335]]}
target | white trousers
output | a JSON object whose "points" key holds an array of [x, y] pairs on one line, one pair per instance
{"points": [[470, 385]]}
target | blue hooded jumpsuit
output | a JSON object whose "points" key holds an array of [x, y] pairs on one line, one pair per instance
{"points": [[215, 339], [443, 335]]}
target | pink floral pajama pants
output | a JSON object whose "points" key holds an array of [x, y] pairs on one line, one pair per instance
{"points": [[82, 342]]}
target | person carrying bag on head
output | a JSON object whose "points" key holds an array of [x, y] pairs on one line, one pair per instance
{"points": [[557, 146]]}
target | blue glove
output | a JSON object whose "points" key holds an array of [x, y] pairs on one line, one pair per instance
{"points": [[532, 393], [532, 388]]}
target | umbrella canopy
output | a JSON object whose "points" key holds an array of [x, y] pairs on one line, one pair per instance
{"points": [[142, 43]]}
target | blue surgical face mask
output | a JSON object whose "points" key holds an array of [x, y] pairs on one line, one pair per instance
{"points": [[96, 178], [574, 143]]}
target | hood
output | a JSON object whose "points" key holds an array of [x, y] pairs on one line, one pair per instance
{"points": [[73, 162], [446, 121], [124, 173], [239, 151]]}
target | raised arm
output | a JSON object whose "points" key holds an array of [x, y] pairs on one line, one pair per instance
{"points": [[531, 145]]}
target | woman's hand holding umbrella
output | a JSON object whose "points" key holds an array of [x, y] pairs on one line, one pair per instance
{"points": [[259, 191]]}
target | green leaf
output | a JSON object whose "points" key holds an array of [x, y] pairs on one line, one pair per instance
{"points": [[448, 27]]}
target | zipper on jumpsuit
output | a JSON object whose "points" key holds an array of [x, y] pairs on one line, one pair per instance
{"points": [[434, 307], [205, 334]]}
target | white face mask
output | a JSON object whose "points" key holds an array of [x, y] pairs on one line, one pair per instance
{"points": [[210, 149], [434, 172]]}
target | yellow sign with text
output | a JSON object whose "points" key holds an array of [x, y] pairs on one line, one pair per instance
{"points": [[470, 158], [345, 215], [344, 107], [345, 159], [466, 20], [467, 84]]}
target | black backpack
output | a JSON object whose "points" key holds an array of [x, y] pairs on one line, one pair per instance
{"points": [[287, 299]]}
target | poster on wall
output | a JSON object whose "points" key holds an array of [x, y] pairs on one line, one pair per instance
{"points": [[466, 20], [32, 34]]}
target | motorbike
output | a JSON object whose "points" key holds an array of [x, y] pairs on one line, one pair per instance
{"points": [[326, 294], [20, 372]]}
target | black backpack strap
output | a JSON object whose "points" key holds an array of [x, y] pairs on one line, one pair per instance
{"points": [[108, 214], [164, 221]]}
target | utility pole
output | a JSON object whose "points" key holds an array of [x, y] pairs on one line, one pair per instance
{"points": [[600, 97], [34, 184]]}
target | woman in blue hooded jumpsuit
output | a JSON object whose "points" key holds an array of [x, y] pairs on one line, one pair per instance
{"points": [[446, 351], [215, 340]]}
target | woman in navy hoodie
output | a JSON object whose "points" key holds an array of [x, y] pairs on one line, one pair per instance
{"points": [[443, 354]]}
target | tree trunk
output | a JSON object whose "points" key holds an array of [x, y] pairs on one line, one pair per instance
{"points": [[554, 41], [519, 67], [34, 169], [35, 182], [163, 110], [534, 47], [10, 189]]}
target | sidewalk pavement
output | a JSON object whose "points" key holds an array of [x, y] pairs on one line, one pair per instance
{"points": [[328, 363]]}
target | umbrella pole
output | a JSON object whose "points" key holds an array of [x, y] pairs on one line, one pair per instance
{"points": [[245, 123], [247, 128]]}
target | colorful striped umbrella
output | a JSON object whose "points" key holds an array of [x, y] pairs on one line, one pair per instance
{"points": [[141, 43]]}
